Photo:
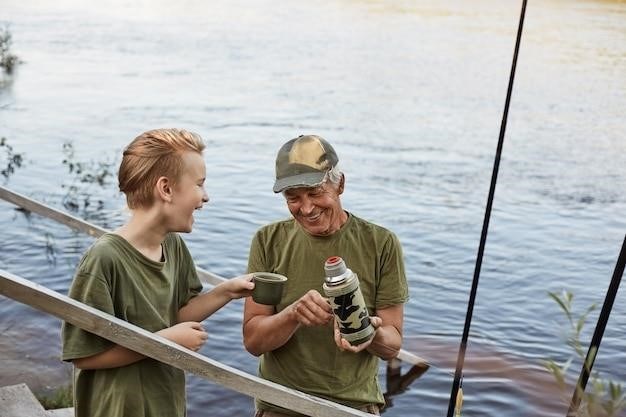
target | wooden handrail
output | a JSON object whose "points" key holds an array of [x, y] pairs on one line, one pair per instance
{"points": [[76, 223], [164, 350], [95, 231]]}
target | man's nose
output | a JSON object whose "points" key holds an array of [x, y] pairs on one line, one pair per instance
{"points": [[307, 206]]}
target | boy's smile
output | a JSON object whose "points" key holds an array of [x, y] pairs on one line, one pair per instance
{"points": [[189, 193]]}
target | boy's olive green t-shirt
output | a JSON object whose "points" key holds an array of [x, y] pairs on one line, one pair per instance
{"points": [[311, 361], [116, 278]]}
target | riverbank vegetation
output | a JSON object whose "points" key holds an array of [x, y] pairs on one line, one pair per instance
{"points": [[9, 159], [8, 60], [84, 176], [61, 398], [602, 397]]}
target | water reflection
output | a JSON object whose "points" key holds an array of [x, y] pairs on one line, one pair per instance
{"points": [[51, 252], [398, 382]]}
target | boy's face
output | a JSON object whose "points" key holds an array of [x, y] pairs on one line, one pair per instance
{"points": [[188, 193]]}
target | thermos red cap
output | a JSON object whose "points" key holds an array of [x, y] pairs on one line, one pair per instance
{"points": [[335, 266]]}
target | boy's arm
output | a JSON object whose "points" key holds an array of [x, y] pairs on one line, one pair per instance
{"points": [[189, 334], [202, 306], [115, 357]]}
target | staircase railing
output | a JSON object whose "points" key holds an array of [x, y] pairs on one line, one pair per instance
{"points": [[154, 346]]}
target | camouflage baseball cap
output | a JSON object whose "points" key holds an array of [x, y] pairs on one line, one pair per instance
{"points": [[303, 162]]}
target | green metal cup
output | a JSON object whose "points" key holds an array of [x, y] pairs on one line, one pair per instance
{"points": [[268, 288]]}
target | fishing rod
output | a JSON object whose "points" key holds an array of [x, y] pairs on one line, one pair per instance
{"points": [[456, 395], [598, 333]]}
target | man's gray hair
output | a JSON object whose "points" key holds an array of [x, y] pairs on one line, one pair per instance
{"points": [[334, 175]]}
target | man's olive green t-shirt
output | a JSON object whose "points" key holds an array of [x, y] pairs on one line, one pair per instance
{"points": [[311, 361], [116, 278]]}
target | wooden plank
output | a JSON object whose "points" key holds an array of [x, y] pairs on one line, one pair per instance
{"points": [[93, 230], [157, 347], [409, 357], [60, 412], [77, 223], [51, 213], [19, 401]]}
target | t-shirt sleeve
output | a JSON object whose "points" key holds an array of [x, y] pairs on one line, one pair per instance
{"points": [[191, 287], [93, 291], [256, 258], [189, 282], [392, 288]]}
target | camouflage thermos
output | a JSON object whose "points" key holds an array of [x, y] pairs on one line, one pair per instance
{"points": [[346, 300]]}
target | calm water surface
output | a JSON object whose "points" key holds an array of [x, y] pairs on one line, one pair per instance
{"points": [[410, 93]]}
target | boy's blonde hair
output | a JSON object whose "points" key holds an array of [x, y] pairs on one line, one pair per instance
{"points": [[153, 154]]}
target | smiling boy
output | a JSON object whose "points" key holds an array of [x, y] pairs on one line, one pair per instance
{"points": [[143, 273]]}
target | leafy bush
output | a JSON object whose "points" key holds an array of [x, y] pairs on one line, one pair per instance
{"points": [[8, 61], [603, 398], [61, 398], [85, 175], [12, 160]]}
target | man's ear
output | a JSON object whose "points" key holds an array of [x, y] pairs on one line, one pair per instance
{"points": [[341, 183], [163, 189]]}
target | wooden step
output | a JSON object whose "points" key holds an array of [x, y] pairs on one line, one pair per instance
{"points": [[61, 412], [19, 401]]}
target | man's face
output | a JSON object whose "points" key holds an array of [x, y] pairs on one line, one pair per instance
{"points": [[317, 209]]}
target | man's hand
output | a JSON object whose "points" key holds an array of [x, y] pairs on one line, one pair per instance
{"points": [[312, 309], [344, 345]]}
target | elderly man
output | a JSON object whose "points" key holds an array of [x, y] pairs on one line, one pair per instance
{"points": [[299, 344]]}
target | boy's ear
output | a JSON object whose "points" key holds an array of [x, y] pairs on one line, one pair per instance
{"points": [[163, 189]]}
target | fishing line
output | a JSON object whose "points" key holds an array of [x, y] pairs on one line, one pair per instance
{"points": [[457, 394], [598, 333]]}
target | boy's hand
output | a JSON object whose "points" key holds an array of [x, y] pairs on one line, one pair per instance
{"points": [[239, 287], [189, 334]]}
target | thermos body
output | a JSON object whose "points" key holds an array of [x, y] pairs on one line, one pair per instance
{"points": [[342, 288]]}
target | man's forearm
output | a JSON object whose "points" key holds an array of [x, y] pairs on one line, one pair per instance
{"points": [[387, 342], [262, 334]]}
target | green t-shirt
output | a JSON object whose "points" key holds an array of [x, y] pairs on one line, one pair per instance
{"points": [[311, 361], [116, 278]]}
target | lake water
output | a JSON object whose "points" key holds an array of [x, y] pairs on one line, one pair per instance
{"points": [[410, 93]]}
